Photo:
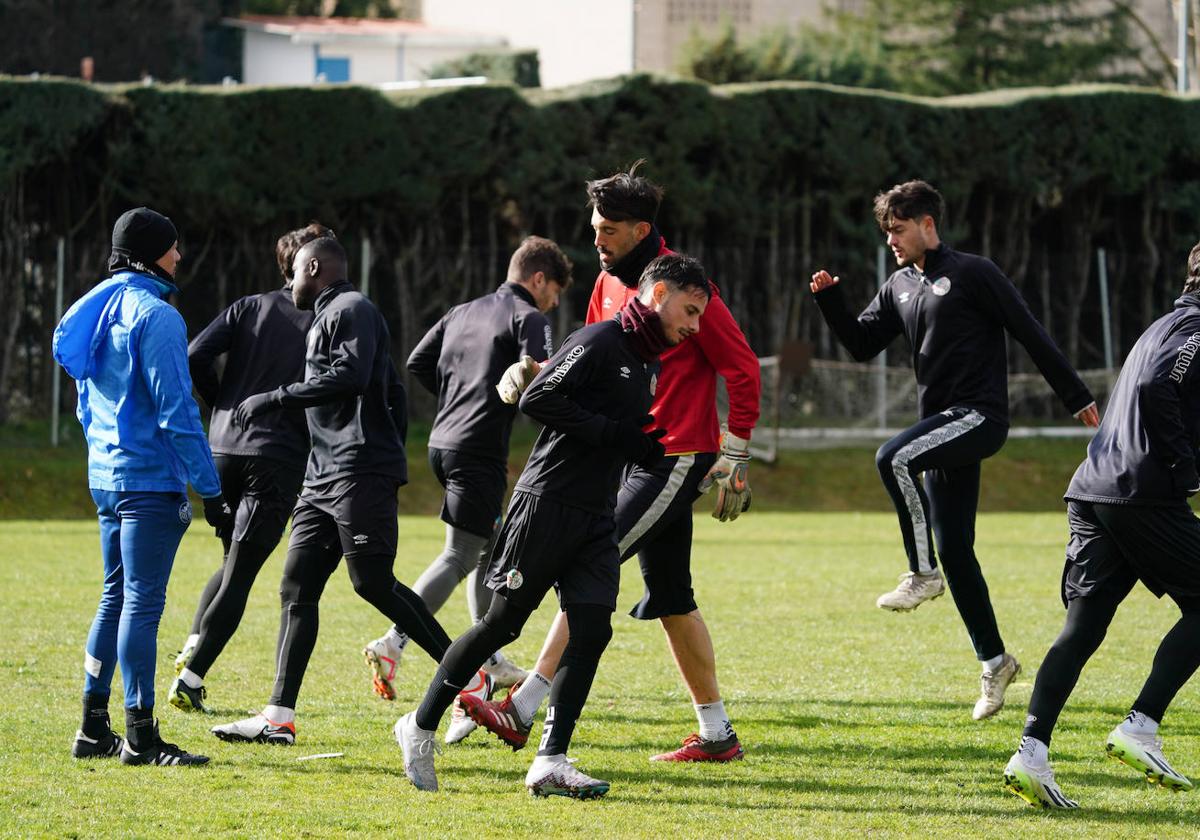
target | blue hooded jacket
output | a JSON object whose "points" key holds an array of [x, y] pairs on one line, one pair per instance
{"points": [[126, 348]]}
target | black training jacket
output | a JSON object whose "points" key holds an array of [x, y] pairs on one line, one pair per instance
{"points": [[352, 396], [263, 336], [462, 358], [594, 379], [954, 316], [1144, 452]]}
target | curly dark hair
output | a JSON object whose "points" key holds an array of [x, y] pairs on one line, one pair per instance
{"points": [[678, 271], [1191, 286], [536, 253]]}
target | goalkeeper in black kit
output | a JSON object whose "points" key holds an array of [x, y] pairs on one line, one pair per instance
{"points": [[560, 531]]}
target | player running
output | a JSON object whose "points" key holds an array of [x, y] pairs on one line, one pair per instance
{"points": [[355, 407], [954, 309], [261, 465], [1129, 519], [460, 360], [654, 506], [126, 347], [560, 530]]}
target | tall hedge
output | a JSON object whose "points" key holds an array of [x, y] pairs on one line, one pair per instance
{"points": [[764, 183]]}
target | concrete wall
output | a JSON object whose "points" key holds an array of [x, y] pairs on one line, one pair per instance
{"points": [[576, 40]]}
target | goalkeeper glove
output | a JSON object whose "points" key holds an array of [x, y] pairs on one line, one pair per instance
{"points": [[642, 448], [729, 474], [516, 379]]}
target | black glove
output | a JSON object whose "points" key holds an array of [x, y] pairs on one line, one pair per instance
{"points": [[252, 407], [217, 513], [641, 448]]}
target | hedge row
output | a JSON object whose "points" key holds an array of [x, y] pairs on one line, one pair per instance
{"points": [[764, 182]]}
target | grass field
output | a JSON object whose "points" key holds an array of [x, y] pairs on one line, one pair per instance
{"points": [[855, 722]]}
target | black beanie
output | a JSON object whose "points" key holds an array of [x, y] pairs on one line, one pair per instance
{"points": [[141, 236]]}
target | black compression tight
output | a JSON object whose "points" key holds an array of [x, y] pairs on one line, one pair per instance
{"points": [[222, 606], [1087, 623], [591, 630], [1175, 661], [501, 625], [304, 576]]}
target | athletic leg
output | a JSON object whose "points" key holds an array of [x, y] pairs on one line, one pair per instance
{"points": [[590, 629], [225, 611], [374, 582]]}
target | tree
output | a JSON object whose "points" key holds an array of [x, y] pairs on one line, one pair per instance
{"points": [[939, 47]]}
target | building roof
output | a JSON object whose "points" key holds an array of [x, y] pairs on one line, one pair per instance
{"points": [[301, 29]]}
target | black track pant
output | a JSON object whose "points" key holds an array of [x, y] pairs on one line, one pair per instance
{"points": [[946, 450], [1087, 623], [305, 573], [591, 629]]}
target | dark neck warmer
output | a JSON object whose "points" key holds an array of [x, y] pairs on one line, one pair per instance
{"points": [[630, 267], [645, 330], [120, 261]]}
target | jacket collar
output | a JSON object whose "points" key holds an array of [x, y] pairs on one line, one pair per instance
{"points": [[936, 260], [518, 290], [149, 282], [329, 293]]}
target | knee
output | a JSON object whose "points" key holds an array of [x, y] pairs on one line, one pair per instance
{"points": [[885, 457], [503, 620], [591, 636], [369, 583], [289, 590]]}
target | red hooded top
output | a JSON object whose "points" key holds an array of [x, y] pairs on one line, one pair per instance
{"points": [[685, 399]]}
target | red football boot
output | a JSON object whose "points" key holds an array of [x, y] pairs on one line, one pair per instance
{"points": [[696, 748], [501, 719]]}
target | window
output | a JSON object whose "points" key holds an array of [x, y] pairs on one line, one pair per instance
{"points": [[333, 69], [709, 11]]}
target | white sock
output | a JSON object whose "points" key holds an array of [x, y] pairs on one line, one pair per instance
{"points": [[714, 723], [1140, 724], [993, 664], [1034, 751], [396, 640], [190, 679], [528, 698], [279, 714], [192, 640]]}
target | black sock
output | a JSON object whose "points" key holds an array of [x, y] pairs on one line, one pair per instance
{"points": [[96, 722], [1174, 663], [591, 629], [501, 625], [140, 729]]}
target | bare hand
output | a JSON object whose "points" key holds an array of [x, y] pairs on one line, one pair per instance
{"points": [[1089, 416], [822, 280]]}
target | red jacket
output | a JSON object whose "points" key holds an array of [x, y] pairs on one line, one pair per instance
{"points": [[685, 399]]}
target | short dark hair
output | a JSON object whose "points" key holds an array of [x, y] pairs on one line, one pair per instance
{"points": [[327, 248], [537, 253], [678, 271], [288, 245], [1191, 286], [910, 200], [626, 196]]}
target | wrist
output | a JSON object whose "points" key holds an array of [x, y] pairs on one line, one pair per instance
{"points": [[735, 445]]}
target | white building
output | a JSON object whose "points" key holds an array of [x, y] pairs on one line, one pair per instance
{"points": [[303, 50]]}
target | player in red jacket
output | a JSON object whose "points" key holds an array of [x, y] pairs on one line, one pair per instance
{"points": [[654, 506]]}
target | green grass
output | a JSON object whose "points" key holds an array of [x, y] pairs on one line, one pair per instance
{"points": [[855, 722]]}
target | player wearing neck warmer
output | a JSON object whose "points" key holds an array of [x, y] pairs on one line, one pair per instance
{"points": [[592, 397]]}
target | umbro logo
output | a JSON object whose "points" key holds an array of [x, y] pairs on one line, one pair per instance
{"points": [[607, 303], [624, 372], [360, 539], [904, 296]]}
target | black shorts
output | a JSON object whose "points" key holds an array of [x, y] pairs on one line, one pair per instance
{"points": [[544, 544], [654, 521], [1111, 547], [474, 489], [261, 492], [357, 512]]}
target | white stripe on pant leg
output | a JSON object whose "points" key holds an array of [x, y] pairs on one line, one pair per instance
{"points": [[287, 628], [660, 504], [912, 499]]}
